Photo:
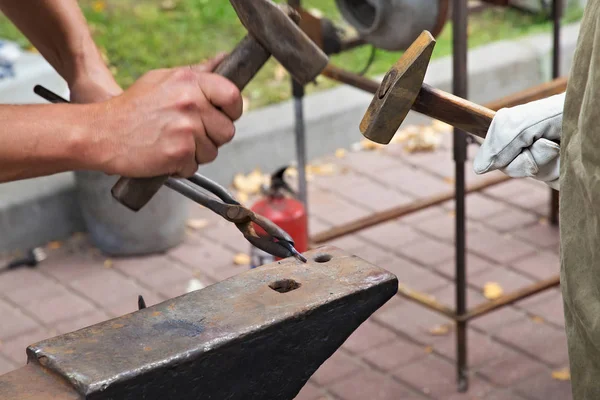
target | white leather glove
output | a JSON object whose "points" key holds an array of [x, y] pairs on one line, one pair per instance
{"points": [[521, 141]]}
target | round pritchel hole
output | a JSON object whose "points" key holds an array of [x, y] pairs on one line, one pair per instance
{"points": [[323, 258], [284, 285]]}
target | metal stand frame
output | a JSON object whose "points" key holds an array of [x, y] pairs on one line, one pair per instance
{"points": [[461, 314]]}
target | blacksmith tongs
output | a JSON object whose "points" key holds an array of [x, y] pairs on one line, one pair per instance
{"points": [[277, 242]]}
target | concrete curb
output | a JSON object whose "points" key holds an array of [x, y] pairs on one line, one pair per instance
{"points": [[265, 137]]}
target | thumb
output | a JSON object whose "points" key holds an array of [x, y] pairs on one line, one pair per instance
{"points": [[211, 64]]}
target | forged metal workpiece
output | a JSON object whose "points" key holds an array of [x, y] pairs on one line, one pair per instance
{"points": [[258, 335]]}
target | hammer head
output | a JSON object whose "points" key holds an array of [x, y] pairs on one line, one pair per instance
{"points": [[398, 91], [280, 36]]}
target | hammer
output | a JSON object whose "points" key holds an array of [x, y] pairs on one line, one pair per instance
{"points": [[271, 31], [402, 89]]}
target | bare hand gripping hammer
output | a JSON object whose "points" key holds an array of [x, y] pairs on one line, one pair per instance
{"points": [[271, 31]]}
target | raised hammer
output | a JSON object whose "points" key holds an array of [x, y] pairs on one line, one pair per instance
{"points": [[402, 89], [271, 31]]}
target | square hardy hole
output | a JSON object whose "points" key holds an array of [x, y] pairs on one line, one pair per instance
{"points": [[284, 285]]}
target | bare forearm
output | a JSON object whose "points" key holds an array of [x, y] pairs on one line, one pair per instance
{"points": [[58, 29], [38, 140]]}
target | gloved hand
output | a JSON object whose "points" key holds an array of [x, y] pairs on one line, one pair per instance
{"points": [[522, 141]]}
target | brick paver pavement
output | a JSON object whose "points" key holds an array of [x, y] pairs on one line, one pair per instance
{"points": [[404, 351]]}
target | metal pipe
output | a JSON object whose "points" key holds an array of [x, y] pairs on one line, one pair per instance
{"points": [[459, 88], [556, 15], [425, 300], [300, 136], [487, 307], [400, 211]]}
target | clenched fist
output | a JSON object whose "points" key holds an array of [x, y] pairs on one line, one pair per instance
{"points": [[168, 122]]}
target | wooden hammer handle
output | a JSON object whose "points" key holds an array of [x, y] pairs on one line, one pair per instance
{"points": [[240, 66], [454, 110]]}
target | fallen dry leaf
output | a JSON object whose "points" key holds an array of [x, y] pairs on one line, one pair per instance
{"points": [[321, 169], [54, 245], [426, 139], [440, 126], [562, 374], [197, 223], [537, 319], [369, 145], [440, 330], [340, 153], [99, 6], [241, 259], [449, 180], [429, 349], [251, 183], [108, 263], [242, 197], [492, 290]]}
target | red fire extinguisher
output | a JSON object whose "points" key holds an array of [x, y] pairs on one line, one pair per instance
{"points": [[281, 206]]}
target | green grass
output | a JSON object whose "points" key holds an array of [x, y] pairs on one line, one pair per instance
{"points": [[139, 35]]}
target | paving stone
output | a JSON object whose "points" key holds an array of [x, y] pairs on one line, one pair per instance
{"points": [[390, 234], [348, 242], [315, 226], [510, 189], [373, 254], [478, 390], [427, 251], [417, 217], [511, 220], [129, 304], [481, 349], [26, 295], [15, 323], [6, 365], [432, 375], [443, 227], [371, 385], [413, 276], [367, 336], [21, 278], [472, 178], [551, 310], [59, 308], [202, 255], [334, 209], [414, 182], [507, 279], [338, 366], [510, 368], [499, 248], [480, 207], [540, 234], [139, 267], [474, 264], [371, 163], [394, 354], [503, 395], [72, 325], [538, 339], [439, 162], [70, 267], [541, 265], [341, 182], [162, 277], [413, 320], [535, 199], [180, 288], [14, 349], [496, 319], [107, 287], [543, 387], [311, 392]]}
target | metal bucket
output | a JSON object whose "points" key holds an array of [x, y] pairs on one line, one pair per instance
{"points": [[118, 231]]}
